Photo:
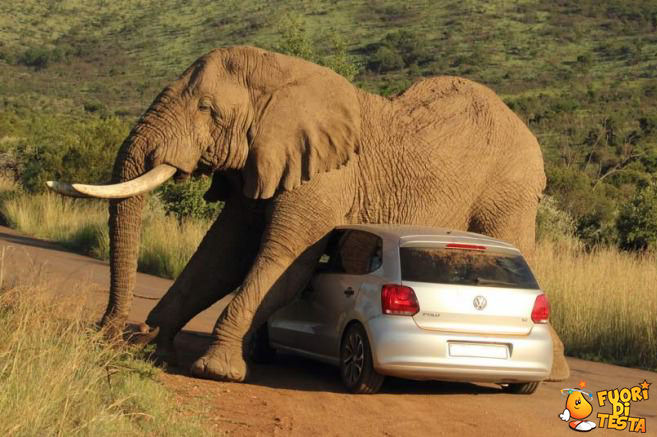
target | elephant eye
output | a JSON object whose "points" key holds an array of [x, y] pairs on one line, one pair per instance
{"points": [[204, 105]]}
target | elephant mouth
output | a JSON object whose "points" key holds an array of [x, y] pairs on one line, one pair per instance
{"points": [[204, 168], [181, 176]]}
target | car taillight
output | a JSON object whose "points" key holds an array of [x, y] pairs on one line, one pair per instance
{"points": [[399, 300], [541, 310], [465, 246]]}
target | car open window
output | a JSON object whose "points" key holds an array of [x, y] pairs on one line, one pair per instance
{"points": [[351, 252], [465, 267]]}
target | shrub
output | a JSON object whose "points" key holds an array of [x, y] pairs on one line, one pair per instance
{"points": [[396, 50], [409, 45], [385, 59], [73, 151], [637, 221], [41, 57], [338, 58], [185, 199], [553, 223], [296, 41], [294, 38], [593, 229]]}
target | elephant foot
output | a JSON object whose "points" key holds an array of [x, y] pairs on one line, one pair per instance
{"points": [[221, 363], [560, 369]]}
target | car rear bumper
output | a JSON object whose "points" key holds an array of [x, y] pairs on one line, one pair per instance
{"points": [[400, 348]]}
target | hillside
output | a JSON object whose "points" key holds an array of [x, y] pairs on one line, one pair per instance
{"points": [[583, 75]]}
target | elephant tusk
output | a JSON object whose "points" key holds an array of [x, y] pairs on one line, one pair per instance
{"points": [[146, 182]]}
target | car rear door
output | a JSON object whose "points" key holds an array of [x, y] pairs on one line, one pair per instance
{"points": [[470, 288]]}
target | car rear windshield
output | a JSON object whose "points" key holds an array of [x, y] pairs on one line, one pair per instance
{"points": [[465, 267]]}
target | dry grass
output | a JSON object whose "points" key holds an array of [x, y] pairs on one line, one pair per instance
{"points": [[81, 225], [59, 377], [604, 302]]}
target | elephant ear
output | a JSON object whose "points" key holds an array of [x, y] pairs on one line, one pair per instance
{"points": [[309, 126]]}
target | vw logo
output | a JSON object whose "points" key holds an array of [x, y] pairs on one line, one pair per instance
{"points": [[479, 302]]}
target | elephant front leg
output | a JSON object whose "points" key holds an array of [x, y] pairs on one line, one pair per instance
{"points": [[270, 285], [291, 244], [218, 267]]}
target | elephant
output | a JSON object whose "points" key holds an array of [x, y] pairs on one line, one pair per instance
{"points": [[294, 149]]}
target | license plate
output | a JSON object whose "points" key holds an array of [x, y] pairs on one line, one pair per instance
{"points": [[478, 350]]}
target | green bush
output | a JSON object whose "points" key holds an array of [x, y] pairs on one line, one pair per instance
{"points": [[594, 229], [296, 41], [67, 150], [553, 223], [637, 221], [185, 199], [41, 57], [396, 50], [409, 45], [385, 59]]}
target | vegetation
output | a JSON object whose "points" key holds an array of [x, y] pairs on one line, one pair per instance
{"points": [[603, 300], [582, 75], [81, 225], [604, 304], [59, 377]]}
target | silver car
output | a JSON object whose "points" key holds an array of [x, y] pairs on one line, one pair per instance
{"points": [[419, 303]]}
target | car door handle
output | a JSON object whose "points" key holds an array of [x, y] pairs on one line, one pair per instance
{"points": [[349, 291]]}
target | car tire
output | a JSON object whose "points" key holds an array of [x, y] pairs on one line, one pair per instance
{"points": [[261, 351], [356, 365], [523, 388]]}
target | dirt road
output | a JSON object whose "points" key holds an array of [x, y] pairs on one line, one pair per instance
{"points": [[298, 397]]}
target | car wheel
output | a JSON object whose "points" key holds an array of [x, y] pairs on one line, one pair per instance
{"points": [[356, 366], [261, 351], [523, 388]]}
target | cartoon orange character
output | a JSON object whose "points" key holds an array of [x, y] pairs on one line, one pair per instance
{"points": [[577, 407]]}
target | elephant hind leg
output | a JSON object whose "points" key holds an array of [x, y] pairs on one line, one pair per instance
{"points": [[516, 224], [511, 219], [560, 369]]}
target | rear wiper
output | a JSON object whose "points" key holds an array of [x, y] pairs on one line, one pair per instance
{"points": [[484, 281]]}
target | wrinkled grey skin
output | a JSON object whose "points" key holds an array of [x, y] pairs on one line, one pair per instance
{"points": [[295, 150]]}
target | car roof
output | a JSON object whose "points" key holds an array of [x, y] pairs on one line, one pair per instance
{"points": [[412, 233]]}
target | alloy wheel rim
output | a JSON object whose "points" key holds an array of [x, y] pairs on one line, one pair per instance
{"points": [[354, 358]]}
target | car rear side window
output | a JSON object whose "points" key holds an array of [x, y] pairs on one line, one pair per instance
{"points": [[352, 252], [465, 267]]}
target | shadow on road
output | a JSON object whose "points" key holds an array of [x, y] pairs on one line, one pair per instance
{"points": [[33, 242], [296, 373]]}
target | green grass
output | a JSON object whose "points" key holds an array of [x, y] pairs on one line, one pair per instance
{"points": [[59, 377]]}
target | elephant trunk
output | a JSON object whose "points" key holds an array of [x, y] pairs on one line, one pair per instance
{"points": [[124, 229]]}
